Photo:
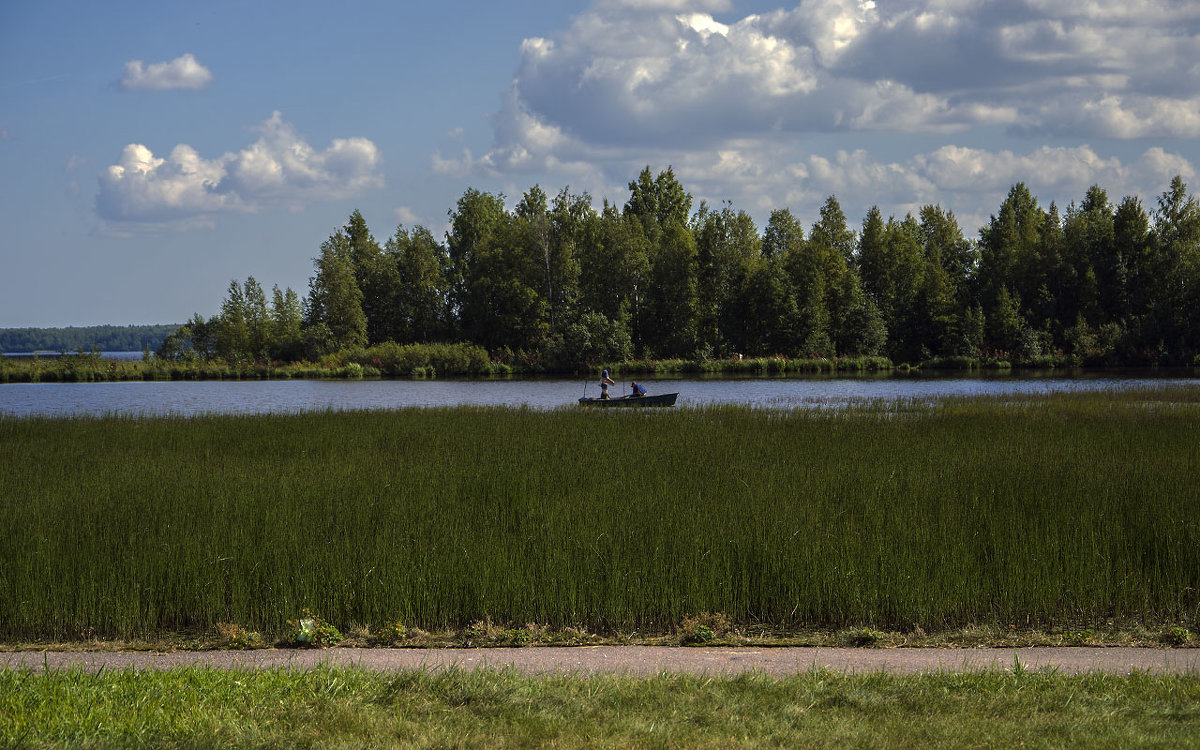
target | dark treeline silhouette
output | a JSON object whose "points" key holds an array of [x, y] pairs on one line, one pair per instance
{"points": [[556, 283], [85, 338]]}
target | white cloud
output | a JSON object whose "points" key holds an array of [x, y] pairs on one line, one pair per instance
{"points": [[4, 135], [461, 166], [406, 215], [184, 72], [711, 6], [280, 168], [656, 72], [788, 106], [971, 181]]}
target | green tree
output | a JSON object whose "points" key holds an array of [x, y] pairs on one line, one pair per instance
{"points": [[762, 317], [286, 318], [1177, 234], [258, 322], [864, 331], [658, 202], [233, 331], [499, 272], [662, 207], [1135, 245], [901, 287], [672, 296], [334, 300], [377, 278], [474, 223], [573, 224], [727, 244], [1088, 253], [614, 272], [194, 340], [420, 304], [1013, 262], [831, 245], [784, 234], [950, 261], [805, 267]]}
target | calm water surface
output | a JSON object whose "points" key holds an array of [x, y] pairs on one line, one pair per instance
{"points": [[290, 396]]}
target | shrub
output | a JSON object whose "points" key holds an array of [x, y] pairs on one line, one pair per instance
{"points": [[237, 637], [391, 634], [861, 637], [1176, 636], [705, 627], [310, 631], [421, 360]]}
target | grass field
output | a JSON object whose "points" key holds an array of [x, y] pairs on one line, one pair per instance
{"points": [[352, 708], [1066, 510]]}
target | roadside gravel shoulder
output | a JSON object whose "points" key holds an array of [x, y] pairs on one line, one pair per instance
{"points": [[642, 660]]}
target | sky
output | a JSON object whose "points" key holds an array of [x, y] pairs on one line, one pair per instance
{"points": [[152, 152]]}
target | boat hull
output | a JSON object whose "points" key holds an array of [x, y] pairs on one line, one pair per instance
{"points": [[658, 399]]}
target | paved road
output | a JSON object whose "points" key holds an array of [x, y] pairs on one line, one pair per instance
{"points": [[641, 660]]}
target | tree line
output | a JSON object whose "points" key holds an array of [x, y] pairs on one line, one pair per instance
{"points": [[105, 338], [557, 283]]}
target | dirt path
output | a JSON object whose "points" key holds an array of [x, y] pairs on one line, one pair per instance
{"points": [[641, 660]]}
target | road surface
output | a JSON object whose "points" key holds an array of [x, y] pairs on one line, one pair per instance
{"points": [[641, 660]]}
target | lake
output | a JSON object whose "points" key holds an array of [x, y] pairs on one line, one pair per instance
{"points": [[289, 396]]}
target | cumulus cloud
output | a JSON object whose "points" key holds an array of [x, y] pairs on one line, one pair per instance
{"points": [[184, 72], [629, 73], [788, 106], [280, 168]]}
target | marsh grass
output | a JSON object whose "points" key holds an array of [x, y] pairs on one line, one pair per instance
{"points": [[195, 707], [1061, 512]]}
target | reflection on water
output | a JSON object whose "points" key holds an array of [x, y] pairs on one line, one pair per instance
{"points": [[289, 396]]}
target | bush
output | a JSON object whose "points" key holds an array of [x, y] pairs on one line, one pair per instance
{"points": [[705, 627], [591, 338], [861, 637], [1176, 636], [421, 360], [391, 634], [310, 631], [237, 637]]}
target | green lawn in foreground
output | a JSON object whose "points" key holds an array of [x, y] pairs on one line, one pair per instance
{"points": [[1017, 512], [197, 707]]}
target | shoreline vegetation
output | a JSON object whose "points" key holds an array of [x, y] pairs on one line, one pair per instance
{"points": [[427, 361], [1055, 518]]}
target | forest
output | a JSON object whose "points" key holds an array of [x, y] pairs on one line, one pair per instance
{"points": [[555, 283], [85, 338]]}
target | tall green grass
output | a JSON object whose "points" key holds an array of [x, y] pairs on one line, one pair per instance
{"points": [[1037, 511]]}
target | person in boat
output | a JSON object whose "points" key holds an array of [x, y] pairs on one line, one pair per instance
{"points": [[637, 390], [605, 381]]}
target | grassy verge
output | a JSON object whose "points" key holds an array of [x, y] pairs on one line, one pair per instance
{"points": [[344, 707], [1061, 514]]}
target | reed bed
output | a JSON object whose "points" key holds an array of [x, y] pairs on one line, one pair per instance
{"points": [[1070, 508]]}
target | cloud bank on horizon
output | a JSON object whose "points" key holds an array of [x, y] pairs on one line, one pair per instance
{"points": [[732, 105]]}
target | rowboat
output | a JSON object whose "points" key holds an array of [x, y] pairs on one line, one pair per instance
{"points": [[658, 399]]}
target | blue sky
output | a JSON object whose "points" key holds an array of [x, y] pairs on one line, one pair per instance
{"points": [[152, 152]]}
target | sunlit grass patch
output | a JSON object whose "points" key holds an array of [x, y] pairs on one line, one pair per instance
{"points": [[455, 708]]}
